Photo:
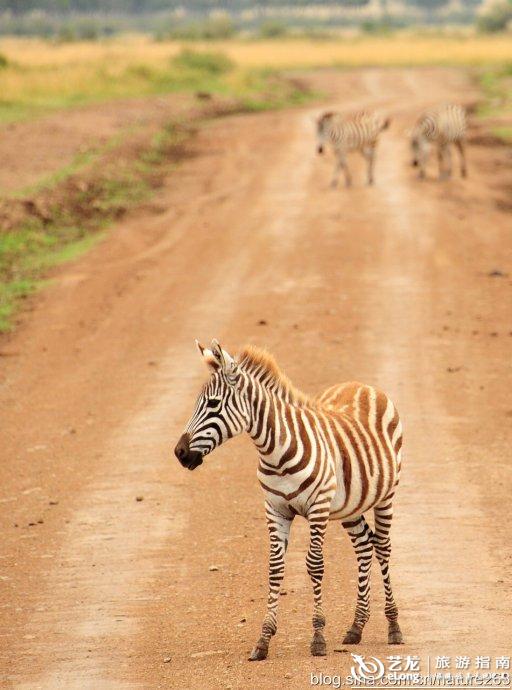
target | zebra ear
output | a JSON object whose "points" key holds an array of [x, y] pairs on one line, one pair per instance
{"points": [[227, 362], [208, 357]]}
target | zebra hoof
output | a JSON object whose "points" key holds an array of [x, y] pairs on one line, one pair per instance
{"points": [[318, 646], [259, 652], [352, 637], [395, 636]]}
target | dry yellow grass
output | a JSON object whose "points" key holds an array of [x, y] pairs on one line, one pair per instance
{"points": [[398, 50], [45, 75], [395, 50]]}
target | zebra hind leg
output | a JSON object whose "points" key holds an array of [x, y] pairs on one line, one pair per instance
{"points": [[461, 147], [362, 541], [279, 531], [383, 516], [315, 567], [341, 164], [369, 154]]}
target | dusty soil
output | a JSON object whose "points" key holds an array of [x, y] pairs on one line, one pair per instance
{"points": [[116, 135], [406, 285], [36, 149]]}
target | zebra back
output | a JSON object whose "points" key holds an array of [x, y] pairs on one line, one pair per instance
{"points": [[353, 132]]}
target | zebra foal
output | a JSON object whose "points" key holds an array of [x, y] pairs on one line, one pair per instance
{"points": [[334, 457], [359, 132], [444, 127]]}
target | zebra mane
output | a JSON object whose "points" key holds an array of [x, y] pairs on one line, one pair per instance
{"points": [[263, 366]]}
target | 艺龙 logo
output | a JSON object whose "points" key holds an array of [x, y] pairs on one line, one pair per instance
{"points": [[371, 669]]}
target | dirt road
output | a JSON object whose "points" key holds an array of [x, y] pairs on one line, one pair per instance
{"points": [[392, 285]]}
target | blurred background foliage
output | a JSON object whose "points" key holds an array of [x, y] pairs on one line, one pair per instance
{"points": [[69, 20]]}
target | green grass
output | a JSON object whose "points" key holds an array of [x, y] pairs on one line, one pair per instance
{"points": [[503, 133], [34, 262], [30, 90], [76, 213], [75, 222], [205, 62], [496, 84]]}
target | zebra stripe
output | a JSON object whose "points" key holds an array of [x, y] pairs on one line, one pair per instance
{"points": [[443, 127], [334, 457], [359, 132]]}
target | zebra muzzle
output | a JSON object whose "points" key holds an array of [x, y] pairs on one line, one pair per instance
{"points": [[187, 457]]}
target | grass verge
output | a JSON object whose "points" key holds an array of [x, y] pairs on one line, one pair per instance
{"points": [[496, 83], [66, 213], [56, 77]]}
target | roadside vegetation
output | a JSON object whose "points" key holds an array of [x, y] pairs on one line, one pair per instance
{"points": [[65, 216], [496, 84], [65, 213], [38, 76]]}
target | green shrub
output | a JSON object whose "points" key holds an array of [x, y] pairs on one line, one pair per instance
{"points": [[212, 29], [205, 61], [87, 30], [65, 34], [496, 18], [272, 28], [4, 62]]}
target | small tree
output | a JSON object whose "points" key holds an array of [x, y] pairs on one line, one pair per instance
{"points": [[496, 18]]}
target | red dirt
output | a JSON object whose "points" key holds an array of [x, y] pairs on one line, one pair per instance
{"points": [[35, 149], [388, 285]]}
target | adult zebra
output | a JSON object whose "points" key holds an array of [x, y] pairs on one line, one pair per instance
{"points": [[443, 126], [333, 457], [358, 132]]}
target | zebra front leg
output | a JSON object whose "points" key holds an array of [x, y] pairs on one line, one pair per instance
{"points": [[383, 516], [448, 161], [423, 156], [445, 161], [279, 531], [341, 164], [315, 566], [336, 173], [362, 541], [440, 161]]}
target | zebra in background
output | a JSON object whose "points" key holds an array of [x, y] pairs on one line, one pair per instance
{"points": [[334, 457], [358, 132], [442, 126]]}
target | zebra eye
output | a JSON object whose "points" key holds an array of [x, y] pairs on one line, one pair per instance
{"points": [[213, 402]]}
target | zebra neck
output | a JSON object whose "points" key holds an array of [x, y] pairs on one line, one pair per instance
{"points": [[275, 418]]}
